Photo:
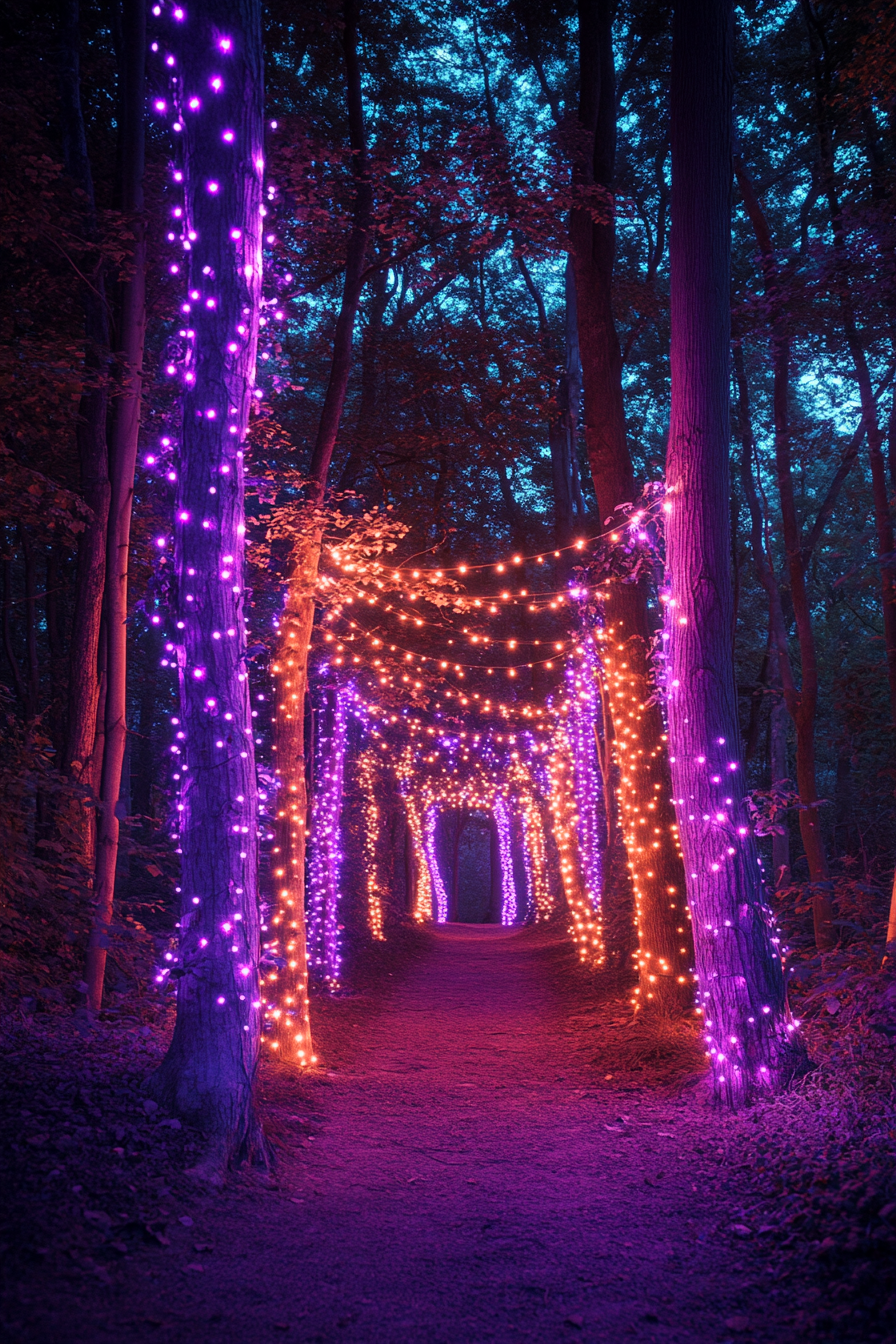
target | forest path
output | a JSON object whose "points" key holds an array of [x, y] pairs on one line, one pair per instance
{"points": [[464, 1171]]}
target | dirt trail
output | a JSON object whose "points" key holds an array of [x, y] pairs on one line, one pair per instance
{"points": [[464, 1172]]}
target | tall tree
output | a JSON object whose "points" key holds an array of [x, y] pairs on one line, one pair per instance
{"points": [[298, 614], [123, 438], [664, 954], [741, 983], [86, 654], [823, 73], [801, 701], [209, 1070]]}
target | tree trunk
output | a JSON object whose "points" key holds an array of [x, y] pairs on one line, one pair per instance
{"points": [[802, 703], [84, 689], [8, 646], [410, 881], [298, 617], [741, 984], [496, 891], [32, 680], [779, 774], [370, 382], [559, 426], [55, 647], [891, 442], [292, 1026], [572, 388], [654, 864], [883, 522], [890, 947], [324, 870], [124, 435], [209, 1071]]}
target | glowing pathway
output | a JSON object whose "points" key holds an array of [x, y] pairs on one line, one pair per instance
{"points": [[467, 1173]]}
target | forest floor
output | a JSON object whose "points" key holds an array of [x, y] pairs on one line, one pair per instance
{"points": [[488, 1152]]}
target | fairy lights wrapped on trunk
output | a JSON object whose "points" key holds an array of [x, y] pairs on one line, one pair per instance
{"points": [[214, 56], [505, 849], [324, 942], [440, 895], [367, 780], [583, 727]]}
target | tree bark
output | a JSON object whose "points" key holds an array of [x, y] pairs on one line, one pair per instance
{"points": [[324, 871], [298, 616], [370, 384], [779, 773], [654, 863], [890, 945], [293, 1027], [125, 429], [883, 522], [32, 679], [560, 435], [55, 647], [802, 703], [749, 1035], [8, 646], [208, 1073], [496, 892], [84, 680]]}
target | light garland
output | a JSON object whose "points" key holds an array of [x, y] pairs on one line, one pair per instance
{"points": [[367, 781], [485, 791], [505, 850], [212, 361], [217, 184], [287, 1008], [584, 725], [538, 889], [440, 895], [422, 904], [638, 768], [324, 942], [587, 928]]}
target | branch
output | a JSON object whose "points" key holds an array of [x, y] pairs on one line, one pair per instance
{"points": [[406, 315], [840, 475], [550, 97], [399, 257], [536, 295]]}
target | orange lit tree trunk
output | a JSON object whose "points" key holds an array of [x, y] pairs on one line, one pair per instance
{"points": [[84, 686], [645, 808], [740, 977], [291, 667], [124, 432]]}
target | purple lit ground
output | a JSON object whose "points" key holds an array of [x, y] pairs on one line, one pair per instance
{"points": [[464, 1171]]}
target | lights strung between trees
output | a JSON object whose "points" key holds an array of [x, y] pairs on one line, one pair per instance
{"points": [[212, 361]]}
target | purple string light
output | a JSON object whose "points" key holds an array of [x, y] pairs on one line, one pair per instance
{"points": [[583, 727], [325, 841]]}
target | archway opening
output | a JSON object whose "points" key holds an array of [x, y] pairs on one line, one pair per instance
{"points": [[470, 842], [470, 855]]}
